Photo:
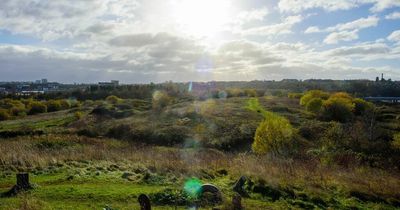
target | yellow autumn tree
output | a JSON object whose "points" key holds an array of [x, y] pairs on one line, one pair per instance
{"points": [[273, 133]]}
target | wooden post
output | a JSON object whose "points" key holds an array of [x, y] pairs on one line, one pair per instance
{"points": [[23, 181], [237, 202], [22, 185]]}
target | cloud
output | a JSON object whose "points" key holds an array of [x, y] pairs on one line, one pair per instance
{"points": [[294, 6], [393, 16], [345, 31], [361, 50], [252, 15], [381, 5], [335, 37], [394, 36], [276, 29], [312, 29], [358, 24], [51, 20]]}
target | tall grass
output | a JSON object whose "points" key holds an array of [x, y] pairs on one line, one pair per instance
{"points": [[27, 153]]}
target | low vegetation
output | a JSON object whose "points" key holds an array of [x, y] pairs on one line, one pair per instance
{"points": [[311, 150]]}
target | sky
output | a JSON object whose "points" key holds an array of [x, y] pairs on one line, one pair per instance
{"points": [[142, 41]]}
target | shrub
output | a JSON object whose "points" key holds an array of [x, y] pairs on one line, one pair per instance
{"points": [[295, 95], [234, 92], [37, 107], [65, 104], [272, 134], [53, 105], [314, 105], [396, 141], [341, 95], [338, 109], [4, 115], [361, 106], [250, 92], [18, 111], [113, 99], [308, 96], [160, 100], [78, 115]]}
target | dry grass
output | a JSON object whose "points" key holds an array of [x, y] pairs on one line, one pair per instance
{"points": [[26, 153]]}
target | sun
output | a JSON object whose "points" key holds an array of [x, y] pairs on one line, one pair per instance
{"points": [[202, 18]]}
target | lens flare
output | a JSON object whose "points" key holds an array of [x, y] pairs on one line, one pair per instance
{"points": [[193, 187]]}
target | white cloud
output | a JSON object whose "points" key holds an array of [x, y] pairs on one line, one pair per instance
{"points": [[312, 29], [276, 29], [295, 6], [345, 31], [51, 20], [361, 23], [252, 15], [393, 16], [335, 37], [381, 5], [394, 36]]}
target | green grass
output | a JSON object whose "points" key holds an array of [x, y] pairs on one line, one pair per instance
{"points": [[46, 121], [74, 172]]}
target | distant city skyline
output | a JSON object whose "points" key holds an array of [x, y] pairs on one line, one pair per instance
{"points": [[138, 41]]}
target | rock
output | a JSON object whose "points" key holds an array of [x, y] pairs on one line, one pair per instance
{"points": [[125, 175], [239, 186], [144, 202], [209, 189]]}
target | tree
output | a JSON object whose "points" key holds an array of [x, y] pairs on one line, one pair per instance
{"points": [[338, 109], [314, 105], [272, 135], [37, 107]]}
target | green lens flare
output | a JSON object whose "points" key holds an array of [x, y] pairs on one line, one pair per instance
{"points": [[193, 187]]}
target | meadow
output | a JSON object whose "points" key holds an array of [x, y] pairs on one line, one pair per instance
{"points": [[105, 153]]}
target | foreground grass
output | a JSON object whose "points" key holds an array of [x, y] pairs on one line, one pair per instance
{"points": [[73, 172]]}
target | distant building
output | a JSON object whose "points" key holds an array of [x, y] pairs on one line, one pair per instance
{"points": [[44, 81], [112, 83]]}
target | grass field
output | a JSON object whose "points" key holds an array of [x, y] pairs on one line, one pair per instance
{"points": [[93, 171]]}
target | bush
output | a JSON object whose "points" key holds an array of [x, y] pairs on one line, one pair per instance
{"points": [[338, 109], [160, 100], [250, 92], [4, 115], [65, 104], [361, 106], [78, 115], [295, 95], [272, 134], [396, 141], [37, 107], [308, 96], [113, 99], [314, 105], [18, 111], [53, 105], [234, 92]]}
